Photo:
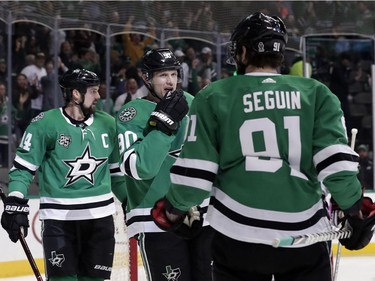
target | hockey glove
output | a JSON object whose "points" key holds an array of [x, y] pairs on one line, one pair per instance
{"points": [[192, 224], [362, 228], [184, 224], [169, 112], [15, 216]]}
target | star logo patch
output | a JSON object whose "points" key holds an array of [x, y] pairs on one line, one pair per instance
{"points": [[127, 114], [83, 167]]}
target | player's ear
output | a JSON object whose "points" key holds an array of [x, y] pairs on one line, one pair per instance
{"points": [[76, 96], [243, 55]]}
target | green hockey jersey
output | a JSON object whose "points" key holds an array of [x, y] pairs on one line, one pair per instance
{"points": [[265, 145], [146, 157], [77, 163]]}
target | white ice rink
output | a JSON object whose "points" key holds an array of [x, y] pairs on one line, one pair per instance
{"points": [[359, 268]]}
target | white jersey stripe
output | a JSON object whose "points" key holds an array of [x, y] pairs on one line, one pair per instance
{"points": [[26, 164], [262, 214], [197, 164], [83, 214], [193, 182], [338, 167], [132, 158]]}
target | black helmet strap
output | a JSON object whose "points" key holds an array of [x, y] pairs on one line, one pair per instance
{"points": [[151, 89]]}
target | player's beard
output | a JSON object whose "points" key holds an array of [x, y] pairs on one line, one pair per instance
{"points": [[88, 110]]}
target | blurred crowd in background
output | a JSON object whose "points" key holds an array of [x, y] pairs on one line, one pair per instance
{"points": [[34, 73]]}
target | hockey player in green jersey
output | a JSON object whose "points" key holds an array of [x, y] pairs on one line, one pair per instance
{"points": [[74, 149], [151, 131], [263, 144]]}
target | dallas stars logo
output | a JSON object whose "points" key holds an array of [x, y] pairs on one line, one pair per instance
{"points": [[83, 166], [172, 274], [56, 259]]}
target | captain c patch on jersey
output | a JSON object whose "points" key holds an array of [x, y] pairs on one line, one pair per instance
{"points": [[127, 114], [83, 167]]}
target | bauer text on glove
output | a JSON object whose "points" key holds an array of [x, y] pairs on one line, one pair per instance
{"points": [[169, 112], [15, 217]]}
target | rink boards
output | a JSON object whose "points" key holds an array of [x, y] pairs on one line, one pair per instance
{"points": [[13, 261]]}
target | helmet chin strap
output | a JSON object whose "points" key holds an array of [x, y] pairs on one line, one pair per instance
{"points": [[152, 91]]}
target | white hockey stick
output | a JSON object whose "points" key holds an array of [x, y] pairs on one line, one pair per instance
{"points": [[311, 238], [339, 246]]}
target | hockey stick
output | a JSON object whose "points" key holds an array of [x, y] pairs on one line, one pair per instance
{"points": [[25, 247], [339, 246], [311, 238]]}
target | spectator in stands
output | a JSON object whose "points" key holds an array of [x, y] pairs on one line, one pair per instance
{"points": [[132, 92], [209, 66], [89, 60], [201, 16], [195, 65], [297, 68], [359, 80], [339, 83], [104, 104], [185, 69], [366, 18], [366, 168], [23, 93], [136, 73], [32, 46], [3, 71], [118, 68], [2, 41], [134, 45], [203, 82], [52, 96], [29, 60], [18, 54], [4, 126], [83, 39], [67, 55], [305, 15], [178, 43], [34, 73]]}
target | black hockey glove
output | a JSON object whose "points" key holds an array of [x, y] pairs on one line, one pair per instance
{"points": [[186, 225], [362, 228], [169, 112], [15, 216]]}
